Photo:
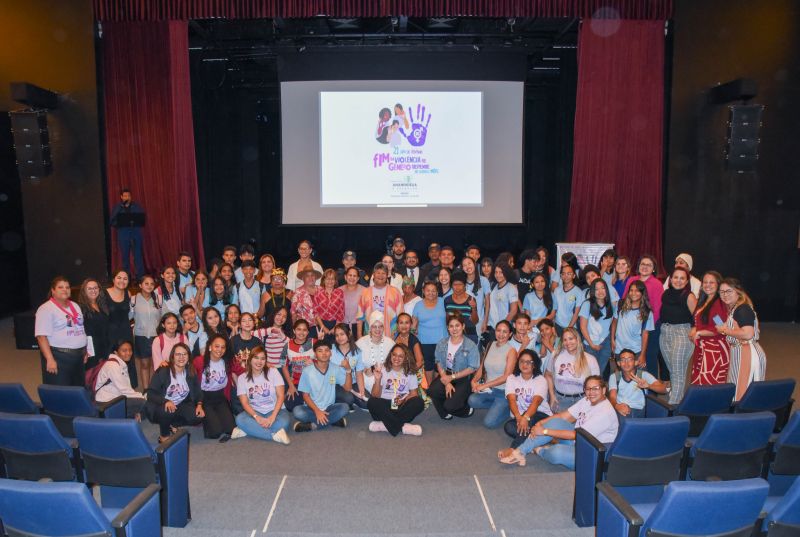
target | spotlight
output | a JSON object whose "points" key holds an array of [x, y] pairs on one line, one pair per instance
{"points": [[476, 48]]}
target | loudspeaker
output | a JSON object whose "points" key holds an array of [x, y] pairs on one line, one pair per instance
{"points": [[31, 143], [744, 124], [24, 328]]}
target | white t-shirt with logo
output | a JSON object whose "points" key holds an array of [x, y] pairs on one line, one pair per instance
{"points": [[379, 298], [600, 420], [61, 330], [451, 353], [565, 379], [526, 390], [396, 385], [178, 389], [261, 391], [214, 379]]}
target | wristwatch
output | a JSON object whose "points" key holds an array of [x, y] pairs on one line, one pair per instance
{"points": [[546, 432], [526, 417]]}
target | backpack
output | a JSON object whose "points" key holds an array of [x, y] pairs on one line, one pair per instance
{"points": [[618, 375], [91, 377], [161, 340]]}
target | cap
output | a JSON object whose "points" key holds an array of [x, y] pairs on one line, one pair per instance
{"points": [[434, 246], [349, 253], [399, 240], [687, 258]]}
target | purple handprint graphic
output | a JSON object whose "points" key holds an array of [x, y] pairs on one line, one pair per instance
{"points": [[418, 131]]}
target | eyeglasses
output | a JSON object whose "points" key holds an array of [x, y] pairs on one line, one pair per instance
{"points": [[592, 389], [646, 265], [526, 362], [727, 292]]}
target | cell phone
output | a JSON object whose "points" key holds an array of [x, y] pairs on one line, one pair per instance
{"points": [[717, 320]]}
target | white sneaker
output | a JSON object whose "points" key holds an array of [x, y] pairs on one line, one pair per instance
{"points": [[413, 430], [237, 433], [281, 437], [377, 427]]}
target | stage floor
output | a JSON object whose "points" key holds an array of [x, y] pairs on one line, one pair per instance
{"points": [[353, 482]]}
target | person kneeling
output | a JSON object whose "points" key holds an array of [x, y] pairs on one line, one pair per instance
{"points": [[173, 396], [628, 384], [318, 386], [395, 403], [553, 438], [260, 391]]}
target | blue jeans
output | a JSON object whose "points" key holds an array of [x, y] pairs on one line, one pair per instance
{"points": [[249, 425], [130, 238], [497, 404], [603, 355], [563, 453], [335, 412]]}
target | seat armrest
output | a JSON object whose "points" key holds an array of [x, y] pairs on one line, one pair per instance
{"points": [[141, 516], [116, 408], [590, 456], [173, 471], [615, 517], [655, 407], [171, 442]]}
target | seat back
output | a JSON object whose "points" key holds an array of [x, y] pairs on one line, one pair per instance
{"points": [[65, 403], [772, 395], [14, 399], [647, 451], [115, 452], [785, 466], [719, 508], [33, 449], [30, 508], [783, 519], [700, 402], [732, 446]]}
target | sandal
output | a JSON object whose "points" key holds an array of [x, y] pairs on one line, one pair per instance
{"points": [[516, 457]]}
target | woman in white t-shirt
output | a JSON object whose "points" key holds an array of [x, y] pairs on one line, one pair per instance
{"points": [[526, 391], [592, 413], [568, 369], [61, 337], [212, 370], [261, 393], [374, 348], [113, 380], [395, 402]]}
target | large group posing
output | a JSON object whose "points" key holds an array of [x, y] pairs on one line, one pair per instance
{"points": [[544, 350]]}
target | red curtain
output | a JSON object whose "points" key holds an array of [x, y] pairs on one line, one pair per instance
{"points": [[619, 118], [149, 134], [135, 10]]}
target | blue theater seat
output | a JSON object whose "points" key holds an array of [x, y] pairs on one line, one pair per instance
{"points": [[698, 403], [65, 403], [117, 457], [687, 508], [769, 395], [14, 399], [33, 449], [783, 514], [784, 464], [646, 455], [68, 509], [732, 446]]}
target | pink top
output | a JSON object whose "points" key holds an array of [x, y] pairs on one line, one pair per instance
{"points": [[655, 288], [162, 347]]}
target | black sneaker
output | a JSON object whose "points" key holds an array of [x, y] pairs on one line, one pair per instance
{"points": [[447, 417], [302, 427], [471, 412], [224, 438], [341, 423]]}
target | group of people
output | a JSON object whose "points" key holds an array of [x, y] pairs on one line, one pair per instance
{"points": [[543, 349]]}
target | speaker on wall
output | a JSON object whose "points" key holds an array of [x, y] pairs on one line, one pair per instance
{"points": [[31, 143], [744, 125]]}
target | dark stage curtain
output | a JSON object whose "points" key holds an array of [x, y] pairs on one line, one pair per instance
{"points": [[619, 118], [136, 10], [149, 134]]}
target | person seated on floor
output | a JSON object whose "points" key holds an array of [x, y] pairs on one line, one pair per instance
{"points": [[113, 380], [457, 358], [318, 386], [213, 371], [173, 397], [553, 438], [627, 386], [526, 391], [395, 402], [497, 365], [261, 392]]}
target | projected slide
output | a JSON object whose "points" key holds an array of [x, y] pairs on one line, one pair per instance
{"points": [[401, 148]]}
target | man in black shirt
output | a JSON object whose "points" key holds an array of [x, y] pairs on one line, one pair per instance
{"points": [[127, 217], [398, 254], [528, 260]]}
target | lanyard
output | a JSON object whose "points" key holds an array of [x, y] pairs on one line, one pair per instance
{"points": [[72, 314]]}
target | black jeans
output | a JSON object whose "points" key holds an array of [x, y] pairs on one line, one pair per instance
{"points": [[70, 369], [456, 404], [219, 418], [510, 428], [381, 410], [184, 415]]}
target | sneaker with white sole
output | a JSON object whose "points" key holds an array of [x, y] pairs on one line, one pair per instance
{"points": [[341, 423], [302, 427], [237, 433], [377, 427], [411, 429], [281, 437]]}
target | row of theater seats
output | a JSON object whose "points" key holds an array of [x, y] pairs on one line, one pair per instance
{"points": [[69, 439], [693, 444]]}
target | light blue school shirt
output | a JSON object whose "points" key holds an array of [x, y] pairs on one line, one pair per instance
{"points": [[534, 306], [322, 386], [629, 330], [629, 392], [500, 300], [431, 322], [598, 329], [480, 297], [354, 358], [565, 304]]}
